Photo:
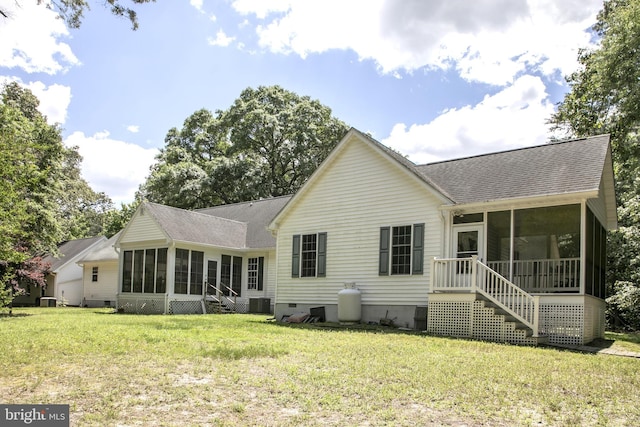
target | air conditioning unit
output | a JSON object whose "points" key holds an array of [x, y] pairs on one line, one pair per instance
{"points": [[260, 305]]}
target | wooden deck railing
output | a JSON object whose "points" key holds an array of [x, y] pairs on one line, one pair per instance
{"points": [[471, 275], [542, 275]]}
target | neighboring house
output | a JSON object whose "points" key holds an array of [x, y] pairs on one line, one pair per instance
{"points": [[178, 261], [509, 246], [100, 274], [64, 280]]}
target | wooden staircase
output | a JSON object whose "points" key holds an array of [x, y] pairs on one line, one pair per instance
{"points": [[497, 309]]}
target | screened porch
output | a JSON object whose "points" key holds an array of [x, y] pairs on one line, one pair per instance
{"points": [[543, 250]]}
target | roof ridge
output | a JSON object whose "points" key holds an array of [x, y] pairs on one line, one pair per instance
{"points": [[195, 212], [530, 147], [244, 203]]}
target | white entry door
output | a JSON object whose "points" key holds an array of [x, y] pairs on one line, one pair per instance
{"points": [[468, 241]]}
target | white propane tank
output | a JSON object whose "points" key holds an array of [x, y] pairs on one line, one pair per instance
{"points": [[349, 304]]}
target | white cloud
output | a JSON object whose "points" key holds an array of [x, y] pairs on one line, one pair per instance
{"points": [[514, 117], [197, 4], [114, 167], [30, 39], [133, 128], [221, 39], [489, 41], [54, 99]]}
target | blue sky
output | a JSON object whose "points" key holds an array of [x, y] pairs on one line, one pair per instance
{"points": [[433, 79]]}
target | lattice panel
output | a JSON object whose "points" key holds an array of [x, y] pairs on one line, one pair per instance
{"points": [[489, 326], [562, 323], [141, 306], [486, 325], [185, 307], [449, 318]]}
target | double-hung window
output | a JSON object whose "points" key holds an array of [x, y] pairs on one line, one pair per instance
{"points": [[401, 250], [255, 271], [309, 255]]}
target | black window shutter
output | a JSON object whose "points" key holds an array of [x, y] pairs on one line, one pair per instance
{"points": [[383, 269], [322, 255], [260, 273], [295, 257], [417, 257]]}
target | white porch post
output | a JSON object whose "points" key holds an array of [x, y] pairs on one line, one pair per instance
{"points": [[474, 262], [536, 315]]}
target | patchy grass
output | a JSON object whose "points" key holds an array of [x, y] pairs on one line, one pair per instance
{"points": [[219, 370]]}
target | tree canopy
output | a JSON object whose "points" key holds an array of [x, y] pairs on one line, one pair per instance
{"points": [[605, 98], [72, 11], [43, 198], [266, 144]]}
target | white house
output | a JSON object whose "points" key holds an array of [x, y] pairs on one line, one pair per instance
{"points": [[178, 261], [64, 280], [508, 246], [100, 274]]}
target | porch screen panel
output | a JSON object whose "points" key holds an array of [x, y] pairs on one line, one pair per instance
{"points": [[161, 272], [596, 240], [182, 271], [138, 263], [127, 271], [499, 242], [149, 270], [236, 279], [197, 273], [546, 249]]}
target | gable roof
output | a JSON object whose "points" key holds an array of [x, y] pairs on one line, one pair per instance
{"points": [[181, 225], [103, 251], [577, 166], [256, 214], [574, 166], [70, 250], [237, 225], [396, 158]]}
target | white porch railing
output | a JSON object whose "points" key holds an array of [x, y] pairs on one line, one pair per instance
{"points": [[542, 275], [471, 275]]}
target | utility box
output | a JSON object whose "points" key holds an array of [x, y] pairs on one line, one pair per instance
{"points": [[420, 318], [260, 305], [48, 302]]}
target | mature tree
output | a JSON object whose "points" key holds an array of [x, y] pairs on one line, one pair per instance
{"points": [[81, 211], [266, 144], [289, 135], [43, 199], [605, 98], [72, 11]]}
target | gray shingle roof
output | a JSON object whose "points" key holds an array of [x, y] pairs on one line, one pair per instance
{"points": [[195, 227], [69, 250], [103, 251], [551, 169], [256, 214]]}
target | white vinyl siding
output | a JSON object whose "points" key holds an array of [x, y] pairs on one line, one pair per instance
{"points": [[358, 193], [142, 228]]}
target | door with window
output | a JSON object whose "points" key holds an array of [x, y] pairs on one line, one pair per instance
{"points": [[467, 242], [212, 278]]}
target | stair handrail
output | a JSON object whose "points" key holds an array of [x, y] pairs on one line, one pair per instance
{"points": [[472, 275], [506, 295], [219, 296]]}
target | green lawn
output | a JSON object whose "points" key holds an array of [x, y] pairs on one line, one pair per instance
{"points": [[116, 369]]}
